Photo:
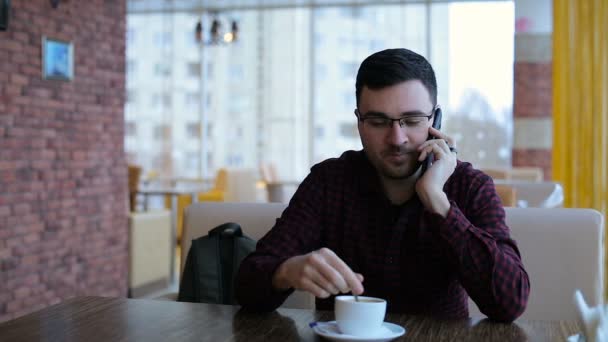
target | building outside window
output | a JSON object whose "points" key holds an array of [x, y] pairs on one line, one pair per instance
{"points": [[284, 92]]}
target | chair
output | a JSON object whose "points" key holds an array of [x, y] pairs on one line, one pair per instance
{"points": [[149, 251], [134, 175], [215, 194], [527, 173], [562, 251], [536, 194], [522, 173], [497, 173], [255, 220], [507, 194], [277, 190], [218, 192]]}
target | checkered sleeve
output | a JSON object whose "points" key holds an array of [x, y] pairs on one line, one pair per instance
{"points": [[296, 232], [487, 259]]}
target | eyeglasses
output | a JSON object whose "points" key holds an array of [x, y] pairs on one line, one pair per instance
{"points": [[379, 122]]}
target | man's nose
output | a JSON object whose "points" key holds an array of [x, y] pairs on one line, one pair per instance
{"points": [[396, 134]]}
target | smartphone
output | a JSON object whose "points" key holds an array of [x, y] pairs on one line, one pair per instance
{"points": [[436, 125]]}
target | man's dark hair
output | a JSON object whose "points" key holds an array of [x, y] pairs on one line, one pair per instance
{"points": [[392, 66]]}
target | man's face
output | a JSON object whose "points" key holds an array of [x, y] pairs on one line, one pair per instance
{"points": [[392, 149]]}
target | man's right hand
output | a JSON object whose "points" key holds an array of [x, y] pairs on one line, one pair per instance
{"points": [[321, 273]]}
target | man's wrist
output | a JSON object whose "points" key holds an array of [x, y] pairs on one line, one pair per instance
{"points": [[279, 281], [439, 203]]}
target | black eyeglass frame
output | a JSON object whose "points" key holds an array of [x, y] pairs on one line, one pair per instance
{"points": [[400, 121]]}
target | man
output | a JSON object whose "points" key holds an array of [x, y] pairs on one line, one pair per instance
{"points": [[372, 222]]}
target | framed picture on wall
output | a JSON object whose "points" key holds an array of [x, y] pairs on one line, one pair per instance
{"points": [[57, 59]]}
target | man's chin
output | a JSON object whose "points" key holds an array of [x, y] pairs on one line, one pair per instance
{"points": [[399, 173]]}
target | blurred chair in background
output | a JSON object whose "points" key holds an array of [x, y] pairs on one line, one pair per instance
{"points": [[279, 191], [524, 173], [561, 250], [149, 252], [536, 194], [532, 174], [134, 176], [497, 173], [218, 192], [507, 194], [215, 194]]}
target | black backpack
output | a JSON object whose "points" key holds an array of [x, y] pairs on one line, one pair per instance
{"points": [[212, 264]]}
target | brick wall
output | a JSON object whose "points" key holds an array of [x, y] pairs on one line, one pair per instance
{"points": [[532, 100], [63, 177]]}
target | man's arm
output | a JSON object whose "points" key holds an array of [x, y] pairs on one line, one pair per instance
{"points": [[480, 248], [487, 259], [290, 256], [296, 232]]}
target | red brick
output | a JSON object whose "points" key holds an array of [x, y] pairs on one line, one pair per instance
{"points": [[22, 292], [534, 157], [19, 80], [47, 123], [533, 90], [21, 209]]}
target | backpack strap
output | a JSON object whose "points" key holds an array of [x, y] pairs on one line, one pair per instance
{"points": [[225, 236]]}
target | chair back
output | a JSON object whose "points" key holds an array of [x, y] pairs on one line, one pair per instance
{"points": [[134, 175], [507, 194], [562, 251], [523, 173], [255, 219], [536, 194], [221, 180]]}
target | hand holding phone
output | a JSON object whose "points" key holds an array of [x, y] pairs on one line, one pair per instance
{"points": [[436, 125]]}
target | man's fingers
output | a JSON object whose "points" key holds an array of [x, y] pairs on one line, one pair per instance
{"points": [[327, 272], [309, 286], [352, 282], [323, 274]]}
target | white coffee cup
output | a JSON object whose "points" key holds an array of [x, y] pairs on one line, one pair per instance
{"points": [[362, 318]]}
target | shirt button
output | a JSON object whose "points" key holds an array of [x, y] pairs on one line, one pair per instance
{"points": [[390, 260]]}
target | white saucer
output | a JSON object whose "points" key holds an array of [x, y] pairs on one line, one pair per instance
{"points": [[331, 331]]}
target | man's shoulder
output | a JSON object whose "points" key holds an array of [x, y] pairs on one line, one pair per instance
{"points": [[465, 172], [349, 161]]}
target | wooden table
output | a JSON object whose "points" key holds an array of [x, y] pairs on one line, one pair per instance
{"points": [[119, 319]]}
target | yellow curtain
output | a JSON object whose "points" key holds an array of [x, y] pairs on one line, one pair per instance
{"points": [[580, 102]]}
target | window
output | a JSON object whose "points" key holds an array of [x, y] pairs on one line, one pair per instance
{"points": [[162, 38], [191, 100], [161, 69], [130, 128], [130, 36], [236, 72], [131, 97], [162, 132], [131, 64], [259, 90], [194, 130], [209, 75], [349, 69], [194, 69]]}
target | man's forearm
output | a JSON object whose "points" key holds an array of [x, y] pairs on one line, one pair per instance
{"points": [[254, 288], [489, 266]]}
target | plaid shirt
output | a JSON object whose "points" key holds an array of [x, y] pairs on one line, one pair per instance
{"points": [[420, 262]]}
